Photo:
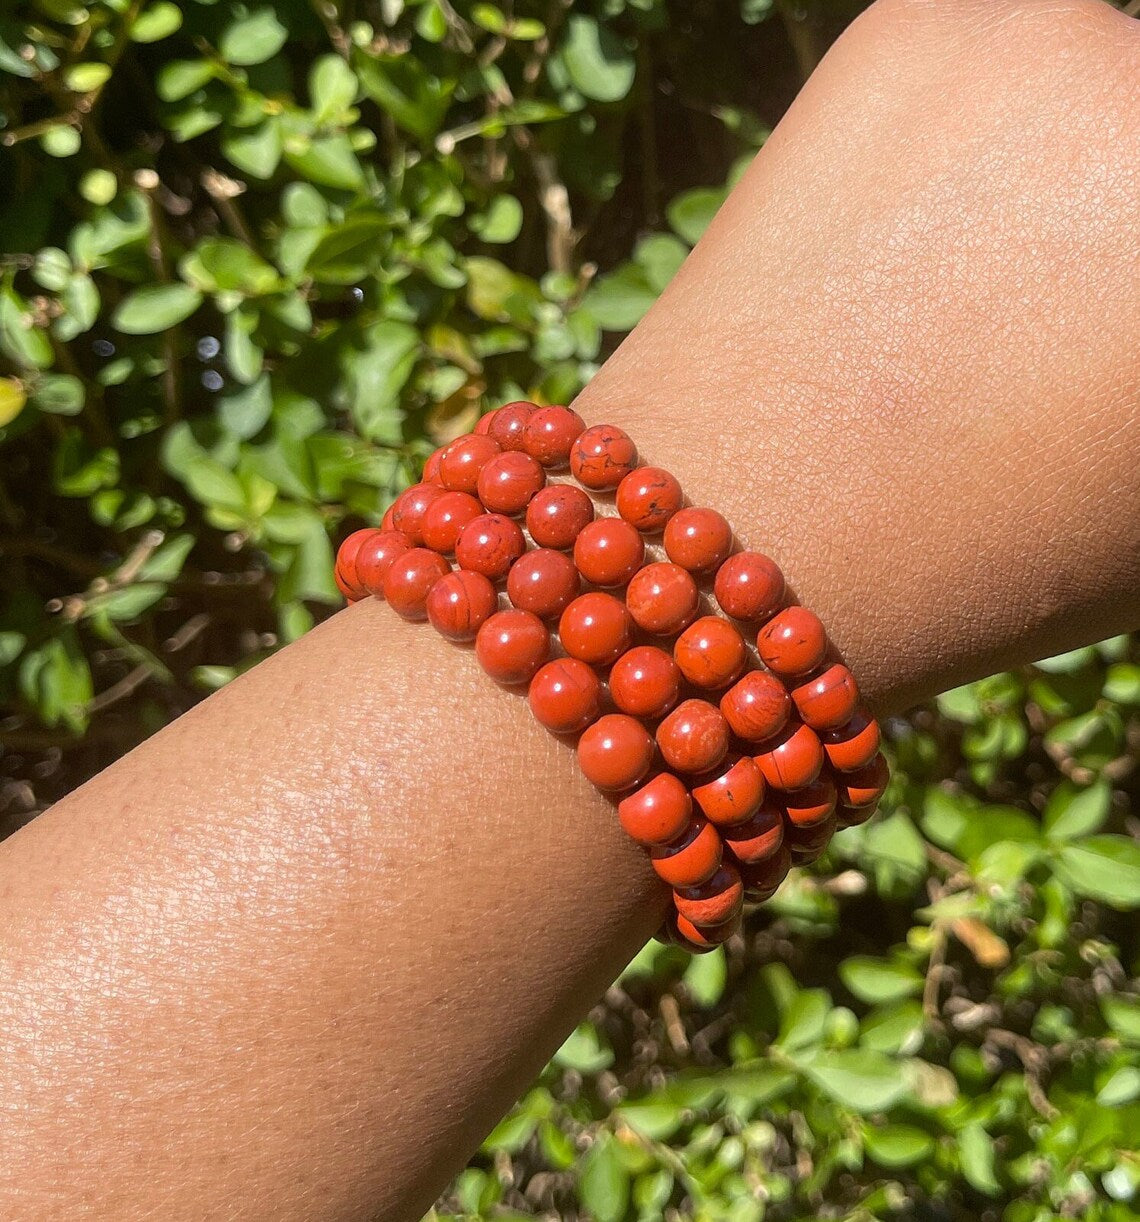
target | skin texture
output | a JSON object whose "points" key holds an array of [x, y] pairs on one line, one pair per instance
{"points": [[295, 955]]}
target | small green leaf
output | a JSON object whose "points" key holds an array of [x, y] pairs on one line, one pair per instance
{"points": [[603, 1183], [858, 1078], [897, 1145], [245, 413], [98, 186], [180, 78], [254, 38], [691, 214], [332, 87], [60, 393], [1121, 1088], [877, 981], [501, 222], [1073, 811], [157, 21], [85, 78], [583, 1051], [328, 161], [255, 151], [1122, 1013], [61, 141], [705, 977], [12, 400], [976, 1152], [618, 301], [155, 308], [596, 60], [1105, 868]]}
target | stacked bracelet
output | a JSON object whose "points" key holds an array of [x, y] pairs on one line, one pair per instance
{"points": [[727, 767]]}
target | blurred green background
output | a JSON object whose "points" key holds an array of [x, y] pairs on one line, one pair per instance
{"points": [[259, 260]]}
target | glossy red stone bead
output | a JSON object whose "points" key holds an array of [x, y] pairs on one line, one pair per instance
{"points": [[807, 844], [864, 786], [446, 517], [483, 426], [762, 878], [431, 467], [565, 695], [557, 514], [509, 481], [701, 938], [757, 838], [692, 858], [463, 459], [710, 652], [549, 434], [508, 424], [757, 707], [346, 556], [662, 598], [827, 700], [409, 508], [715, 901], [602, 457], [792, 759], [512, 645], [648, 497], [543, 581], [854, 744], [490, 544], [734, 796], [349, 596], [615, 752], [657, 813], [749, 586], [645, 682], [608, 552], [409, 580], [693, 737], [459, 603], [386, 522], [811, 805], [792, 642], [853, 816], [698, 539], [375, 557], [595, 628]]}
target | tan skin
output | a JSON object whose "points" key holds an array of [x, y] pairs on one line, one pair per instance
{"points": [[295, 955]]}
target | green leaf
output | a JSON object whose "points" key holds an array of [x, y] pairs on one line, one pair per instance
{"points": [[126, 604], [166, 561], [56, 680], [858, 1078], [603, 1183], [155, 308], [1122, 1013], [898, 1145], [705, 977], [86, 78], [1105, 868], [332, 88], [63, 140], [221, 265], [60, 393], [1073, 811], [13, 396], [403, 87], [254, 38], [657, 1120], [804, 1020], [976, 1153], [377, 373], [620, 300], [180, 78], [328, 161], [501, 222], [246, 412], [213, 484], [877, 981], [597, 62], [20, 339], [660, 256], [584, 1051], [255, 151], [98, 186], [1121, 1088], [157, 21], [691, 214]]}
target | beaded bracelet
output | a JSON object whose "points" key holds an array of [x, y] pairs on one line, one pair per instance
{"points": [[727, 768]]}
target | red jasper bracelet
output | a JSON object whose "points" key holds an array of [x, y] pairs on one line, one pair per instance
{"points": [[727, 767]]}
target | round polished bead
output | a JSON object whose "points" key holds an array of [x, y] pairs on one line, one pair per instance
{"points": [[463, 459], [346, 557], [543, 581], [483, 426], [758, 837], [853, 816], [595, 628], [431, 467], [409, 580], [864, 786], [386, 522], [811, 805], [715, 901], [827, 700], [809, 843], [410, 506], [508, 481], [749, 585], [608, 552], [645, 682], [698, 539], [445, 519], [792, 759], [854, 744], [757, 706], [565, 695], [375, 557], [694, 737], [512, 645], [701, 938], [792, 642], [349, 595], [550, 433], [648, 497], [615, 752], [459, 603], [762, 878], [509, 423], [710, 652], [734, 796], [658, 812], [490, 544], [602, 456], [557, 514], [662, 598], [692, 858]]}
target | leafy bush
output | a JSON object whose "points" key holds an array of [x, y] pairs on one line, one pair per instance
{"points": [[261, 259]]}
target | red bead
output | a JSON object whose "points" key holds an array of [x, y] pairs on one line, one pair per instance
{"points": [[483, 427], [409, 580], [463, 459], [645, 682], [556, 515], [710, 652], [543, 581], [608, 552], [445, 519], [759, 837], [734, 796], [386, 522], [757, 707], [793, 642], [809, 843], [792, 759], [853, 816], [508, 481], [375, 557], [512, 645], [602, 457], [701, 938], [658, 813], [509, 423], [750, 586], [715, 901], [698, 539], [565, 695], [811, 805], [648, 497], [344, 588], [694, 737], [550, 433], [762, 879], [864, 786], [828, 700], [662, 598], [595, 628], [346, 556], [853, 744], [692, 858], [431, 467], [459, 603], [410, 506], [490, 544], [615, 752]]}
